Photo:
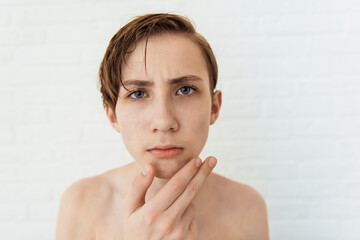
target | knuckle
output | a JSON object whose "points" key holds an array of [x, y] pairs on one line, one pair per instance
{"points": [[172, 216], [191, 209], [167, 226], [178, 187], [149, 218], [193, 188], [179, 235]]}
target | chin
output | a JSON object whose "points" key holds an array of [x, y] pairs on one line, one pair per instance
{"points": [[166, 170], [164, 175]]}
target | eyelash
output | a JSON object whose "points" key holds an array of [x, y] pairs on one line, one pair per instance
{"points": [[193, 88], [132, 92]]}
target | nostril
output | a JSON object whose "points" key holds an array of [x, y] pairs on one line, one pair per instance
{"points": [[168, 124], [164, 119]]}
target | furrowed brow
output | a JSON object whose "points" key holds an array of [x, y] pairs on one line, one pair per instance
{"points": [[141, 83], [182, 79]]}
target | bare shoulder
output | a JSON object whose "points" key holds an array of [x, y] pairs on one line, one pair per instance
{"points": [[245, 209], [84, 203], [78, 208]]}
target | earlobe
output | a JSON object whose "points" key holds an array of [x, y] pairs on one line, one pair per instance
{"points": [[112, 118], [216, 105]]}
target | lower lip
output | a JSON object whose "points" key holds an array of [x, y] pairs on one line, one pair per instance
{"points": [[166, 153]]}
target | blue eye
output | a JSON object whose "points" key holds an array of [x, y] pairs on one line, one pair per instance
{"points": [[137, 94], [186, 90]]}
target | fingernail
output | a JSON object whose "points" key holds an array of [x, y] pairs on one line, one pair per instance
{"points": [[198, 162], [212, 162], [146, 170]]}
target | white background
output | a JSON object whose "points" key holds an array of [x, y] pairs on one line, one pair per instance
{"points": [[290, 123]]}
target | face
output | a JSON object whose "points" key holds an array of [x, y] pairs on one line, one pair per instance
{"points": [[165, 113]]}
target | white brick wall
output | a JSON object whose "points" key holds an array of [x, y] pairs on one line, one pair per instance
{"points": [[289, 126]]}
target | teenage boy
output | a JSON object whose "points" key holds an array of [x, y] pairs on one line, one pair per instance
{"points": [[158, 79]]}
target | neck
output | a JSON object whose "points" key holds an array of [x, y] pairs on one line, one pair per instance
{"points": [[155, 187], [158, 183]]}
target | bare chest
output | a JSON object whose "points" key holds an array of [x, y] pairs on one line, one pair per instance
{"points": [[210, 226]]}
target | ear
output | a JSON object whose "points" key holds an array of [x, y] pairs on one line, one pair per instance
{"points": [[216, 105], [112, 118]]}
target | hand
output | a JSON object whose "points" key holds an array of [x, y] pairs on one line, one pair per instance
{"points": [[169, 214]]}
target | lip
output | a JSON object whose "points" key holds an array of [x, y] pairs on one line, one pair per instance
{"points": [[165, 151]]}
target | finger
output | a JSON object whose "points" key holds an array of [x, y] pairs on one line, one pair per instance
{"points": [[183, 201], [193, 229], [192, 232], [140, 185], [188, 216], [176, 185]]}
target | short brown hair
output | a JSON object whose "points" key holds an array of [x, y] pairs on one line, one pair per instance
{"points": [[110, 72]]}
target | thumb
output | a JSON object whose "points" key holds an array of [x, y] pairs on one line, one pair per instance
{"points": [[140, 185]]}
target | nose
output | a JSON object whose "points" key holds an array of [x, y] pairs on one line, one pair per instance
{"points": [[163, 117]]}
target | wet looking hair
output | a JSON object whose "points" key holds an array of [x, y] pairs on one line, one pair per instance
{"points": [[142, 27]]}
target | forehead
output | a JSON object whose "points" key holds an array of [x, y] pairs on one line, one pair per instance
{"points": [[167, 55]]}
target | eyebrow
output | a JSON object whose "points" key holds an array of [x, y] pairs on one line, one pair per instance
{"points": [[173, 81]]}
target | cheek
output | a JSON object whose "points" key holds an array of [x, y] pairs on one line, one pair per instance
{"points": [[131, 126], [197, 131], [196, 119]]}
